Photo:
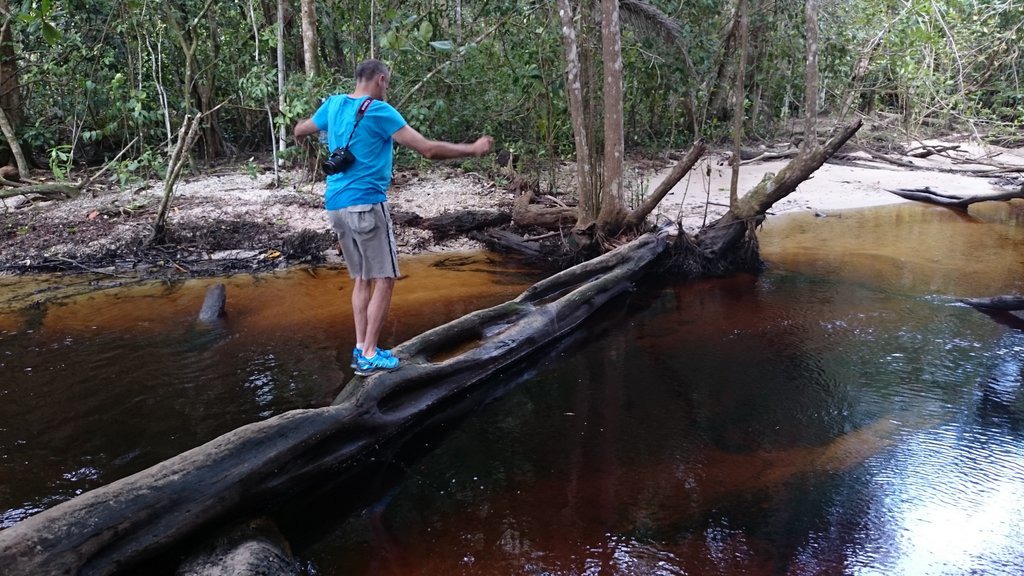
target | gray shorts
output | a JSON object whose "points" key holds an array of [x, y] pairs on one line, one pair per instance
{"points": [[367, 240]]}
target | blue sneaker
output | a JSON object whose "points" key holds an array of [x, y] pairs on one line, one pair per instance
{"points": [[357, 352], [379, 363]]}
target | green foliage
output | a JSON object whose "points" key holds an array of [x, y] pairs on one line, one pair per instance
{"points": [[60, 161], [98, 74]]}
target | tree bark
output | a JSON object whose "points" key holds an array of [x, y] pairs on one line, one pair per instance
{"points": [[585, 177], [613, 202], [310, 44], [114, 527], [811, 77], [739, 113]]}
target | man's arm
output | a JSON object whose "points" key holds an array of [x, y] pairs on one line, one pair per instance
{"points": [[305, 128], [436, 149]]}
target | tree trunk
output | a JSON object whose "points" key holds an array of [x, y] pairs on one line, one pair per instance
{"points": [[213, 141], [186, 138], [114, 527], [613, 201], [281, 135], [310, 44], [739, 113], [585, 181], [811, 77], [10, 94]]}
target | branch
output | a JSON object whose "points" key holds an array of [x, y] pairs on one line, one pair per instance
{"points": [[685, 164]]}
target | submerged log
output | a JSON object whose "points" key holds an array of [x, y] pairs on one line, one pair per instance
{"points": [[954, 201], [213, 304], [255, 547], [1005, 303], [264, 463]]}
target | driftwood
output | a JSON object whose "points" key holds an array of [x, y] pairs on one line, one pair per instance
{"points": [[930, 196], [771, 155], [264, 463]]}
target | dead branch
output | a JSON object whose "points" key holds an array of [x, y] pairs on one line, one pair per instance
{"points": [[930, 196], [53, 191]]}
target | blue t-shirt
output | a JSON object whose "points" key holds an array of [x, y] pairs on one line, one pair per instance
{"points": [[367, 180]]}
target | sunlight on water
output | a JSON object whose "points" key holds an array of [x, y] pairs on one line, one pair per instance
{"points": [[907, 247]]}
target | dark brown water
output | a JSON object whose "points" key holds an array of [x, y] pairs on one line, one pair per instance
{"points": [[840, 414]]}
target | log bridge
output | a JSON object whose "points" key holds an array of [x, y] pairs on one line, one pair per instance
{"points": [[259, 466]]}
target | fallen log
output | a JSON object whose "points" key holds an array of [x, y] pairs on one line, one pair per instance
{"points": [[264, 463], [52, 190], [930, 196], [1005, 303], [721, 236]]}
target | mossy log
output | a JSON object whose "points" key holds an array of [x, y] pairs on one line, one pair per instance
{"points": [[261, 465]]}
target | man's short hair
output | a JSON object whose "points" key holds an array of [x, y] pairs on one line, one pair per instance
{"points": [[370, 69]]}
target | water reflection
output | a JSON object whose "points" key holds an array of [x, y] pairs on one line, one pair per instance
{"points": [[103, 385], [787, 424], [837, 415]]}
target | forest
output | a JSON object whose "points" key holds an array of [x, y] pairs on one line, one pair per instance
{"points": [[102, 95], [85, 84]]}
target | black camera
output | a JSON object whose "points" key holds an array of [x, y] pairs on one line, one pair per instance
{"points": [[340, 160]]}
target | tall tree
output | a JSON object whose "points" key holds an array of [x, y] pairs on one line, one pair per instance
{"points": [[601, 199], [613, 202], [310, 44], [10, 92], [811, 77]]}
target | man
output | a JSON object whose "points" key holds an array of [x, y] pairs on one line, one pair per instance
{"points": [[356, 198]]}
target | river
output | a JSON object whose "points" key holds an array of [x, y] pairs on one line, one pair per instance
{"points": [[841, 413]]}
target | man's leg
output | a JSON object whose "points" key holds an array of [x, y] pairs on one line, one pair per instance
{"points": [[376, 313], [361, 291]]}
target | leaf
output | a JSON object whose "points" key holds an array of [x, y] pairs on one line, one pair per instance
{"points": [[443, 45], [426, 30], [50, 34]]}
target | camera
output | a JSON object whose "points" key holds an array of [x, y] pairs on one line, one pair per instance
{"points": [[340, 160]]}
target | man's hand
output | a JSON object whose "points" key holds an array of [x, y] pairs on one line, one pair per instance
{"points": [[483, 145]]}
